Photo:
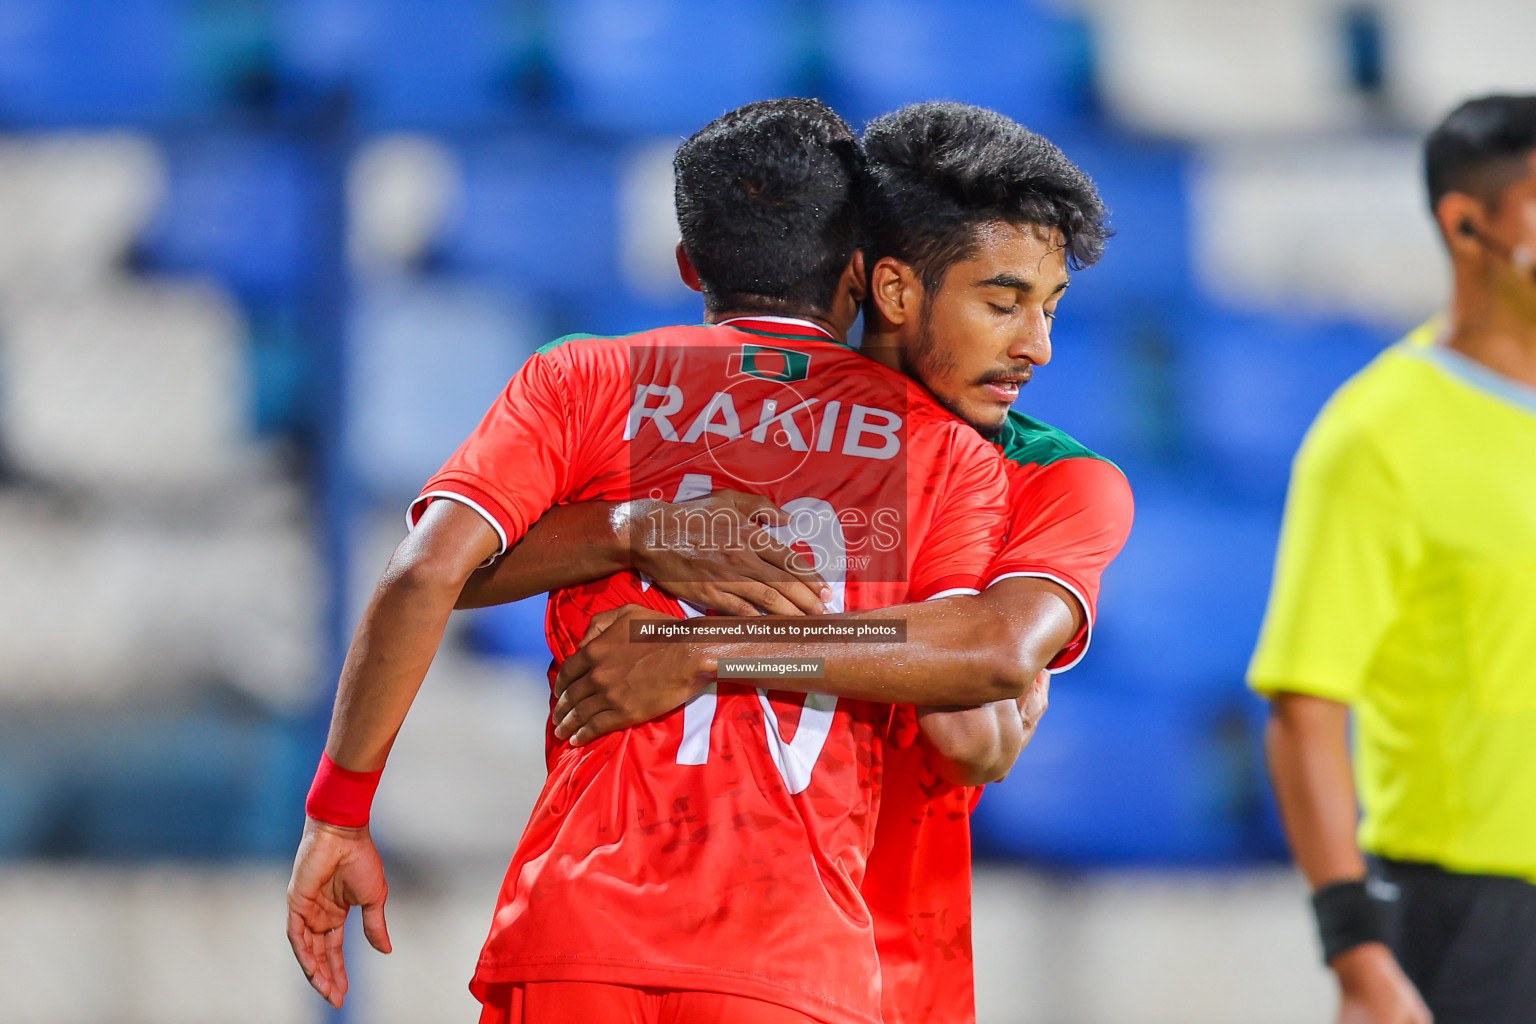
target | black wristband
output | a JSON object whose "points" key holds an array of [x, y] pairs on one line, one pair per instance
{"points": [[1347, 916]]}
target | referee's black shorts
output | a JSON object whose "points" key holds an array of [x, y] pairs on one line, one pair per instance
{"points": [[1467, 942]]}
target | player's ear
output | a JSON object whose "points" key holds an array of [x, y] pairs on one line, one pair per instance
{"points": [[851, 289], [895, 291], [686, 271], [1460, 218], [854, 281]]}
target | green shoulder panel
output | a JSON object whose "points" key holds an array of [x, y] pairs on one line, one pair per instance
{"points": [[1028, 441], [551, 346]]}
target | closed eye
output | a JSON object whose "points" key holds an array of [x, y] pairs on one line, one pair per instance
{"points": [[1004, 309]]}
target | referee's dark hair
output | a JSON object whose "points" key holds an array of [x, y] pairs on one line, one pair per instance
{"points": [[768, 203], [1481, 148], [938, 171]]}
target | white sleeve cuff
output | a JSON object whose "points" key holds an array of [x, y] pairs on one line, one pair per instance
{"points": [[412, 516], [952, 592], [1081, 600]]}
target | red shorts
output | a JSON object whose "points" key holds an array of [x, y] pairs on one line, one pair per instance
{"points": [[589, 1002]]}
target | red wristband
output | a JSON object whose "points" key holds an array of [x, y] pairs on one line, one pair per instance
{"points": [[341, 797]]}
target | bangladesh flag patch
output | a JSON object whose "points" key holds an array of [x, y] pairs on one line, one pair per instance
{"points": [[784, 365]]}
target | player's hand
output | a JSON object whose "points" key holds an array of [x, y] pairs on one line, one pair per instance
{"points": [[1374, 990], [1033, 704], [612, 683], [715, 552], [335, 870]]}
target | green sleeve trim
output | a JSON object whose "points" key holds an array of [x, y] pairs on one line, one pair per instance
{"points": [[551, 346]]}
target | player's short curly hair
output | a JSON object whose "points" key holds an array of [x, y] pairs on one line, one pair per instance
{"points": [[938, 171], [1481, 148], [768, 203]]}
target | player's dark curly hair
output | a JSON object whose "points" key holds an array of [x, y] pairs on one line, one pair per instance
{"points": [[1481, 148], [768, 203], [938, 171]]}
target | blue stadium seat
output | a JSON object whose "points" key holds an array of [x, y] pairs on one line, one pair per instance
{"points": [[1182, 604], [449, 62], [281, 365], [1026, 59], [626, 313], [208, 784], [669, 66], [427, 361], [91, 62], [201, 787], [241, 208], [1251, 385], [1147, 262], [539, 214], [1128, 778], [26, 789]]}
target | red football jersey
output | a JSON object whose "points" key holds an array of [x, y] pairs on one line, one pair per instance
{"points": [[1070, 514], [721, 847]]}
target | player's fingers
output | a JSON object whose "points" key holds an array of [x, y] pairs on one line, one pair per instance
{"points": [[600, 624], [581, 714], [615, 618], [578, 691], [806, 592], [1033, 705], [336, 959], [792, 560], [319, 971], [572, 669], [810, 601], [723, 601], [769, 599], [374, 928], [298, 941], [804, 598], [756, 508], [308, 942], [600, 724], [322, 980]]}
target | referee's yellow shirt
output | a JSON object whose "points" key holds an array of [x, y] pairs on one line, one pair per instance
{"points": [[1406, 586]]}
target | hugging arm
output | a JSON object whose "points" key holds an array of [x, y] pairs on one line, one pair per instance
{"points": [[972, 658], [975, 746], [676, 545]]}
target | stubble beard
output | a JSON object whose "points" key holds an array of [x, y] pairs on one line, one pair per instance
{"points": [[929, 363]]}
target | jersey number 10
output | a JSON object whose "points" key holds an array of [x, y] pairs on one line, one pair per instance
{"points": [[794, 758]]}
